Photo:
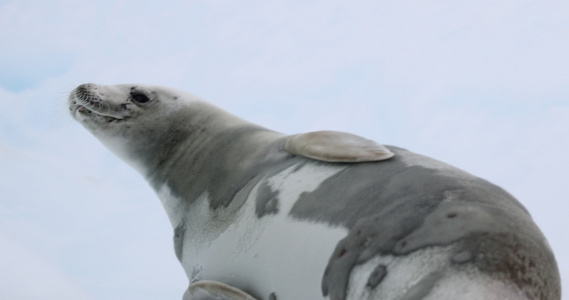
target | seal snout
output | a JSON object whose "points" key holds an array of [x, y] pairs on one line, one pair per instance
{"points": [[88, 100], [83, 92], [82, 100], [86, 94]]}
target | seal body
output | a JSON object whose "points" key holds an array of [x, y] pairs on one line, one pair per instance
{"points": [[251, 213]]}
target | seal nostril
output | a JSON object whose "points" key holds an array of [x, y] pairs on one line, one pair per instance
{"points": [[452, 215]]}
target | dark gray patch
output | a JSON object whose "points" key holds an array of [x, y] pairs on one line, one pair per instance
{"points": [[179, 233], [376, 187], [377, 276], [371, 235], [211, 165], [462, 257], [452, 221], [267, 201], [272, 296], [391, 208], [420, 290]]}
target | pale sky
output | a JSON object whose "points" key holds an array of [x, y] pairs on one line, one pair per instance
{"points": [[482, 85]]}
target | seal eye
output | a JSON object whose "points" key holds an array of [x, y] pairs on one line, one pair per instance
{"points": [[139, 97]]}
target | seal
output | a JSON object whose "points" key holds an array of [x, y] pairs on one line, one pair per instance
{"points": [[323, 215]]}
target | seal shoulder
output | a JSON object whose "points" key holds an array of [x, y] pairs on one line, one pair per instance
{"points": [[335, 146]]}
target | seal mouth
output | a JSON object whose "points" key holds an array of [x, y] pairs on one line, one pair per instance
{"points": [[92, 112]]}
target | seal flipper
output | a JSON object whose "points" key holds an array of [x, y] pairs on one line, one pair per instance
{"points": [[214, 290], [335, 146]]}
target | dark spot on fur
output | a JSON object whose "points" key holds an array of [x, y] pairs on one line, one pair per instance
{"points": [[452, 215], [267, 201], [377, 276], [179, 232]]}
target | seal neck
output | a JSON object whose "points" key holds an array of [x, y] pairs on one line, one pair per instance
{"points": [[202, 155]]}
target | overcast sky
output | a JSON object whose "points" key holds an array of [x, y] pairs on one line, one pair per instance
{"points": [[483, 85]]}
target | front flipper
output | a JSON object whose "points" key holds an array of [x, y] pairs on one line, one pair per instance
{"points": [[214, 290], [335, 146]]}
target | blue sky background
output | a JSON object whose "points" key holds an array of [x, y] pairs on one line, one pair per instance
{"points": [[482, 85]]}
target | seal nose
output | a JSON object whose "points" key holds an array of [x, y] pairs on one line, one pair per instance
{"points": [[78, 95], [84, 91]]}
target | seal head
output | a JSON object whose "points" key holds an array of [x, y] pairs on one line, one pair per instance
{"points": [[127, 119]]}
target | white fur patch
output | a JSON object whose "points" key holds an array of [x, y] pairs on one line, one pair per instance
{"points": [[272, 254], [403, 272]]}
